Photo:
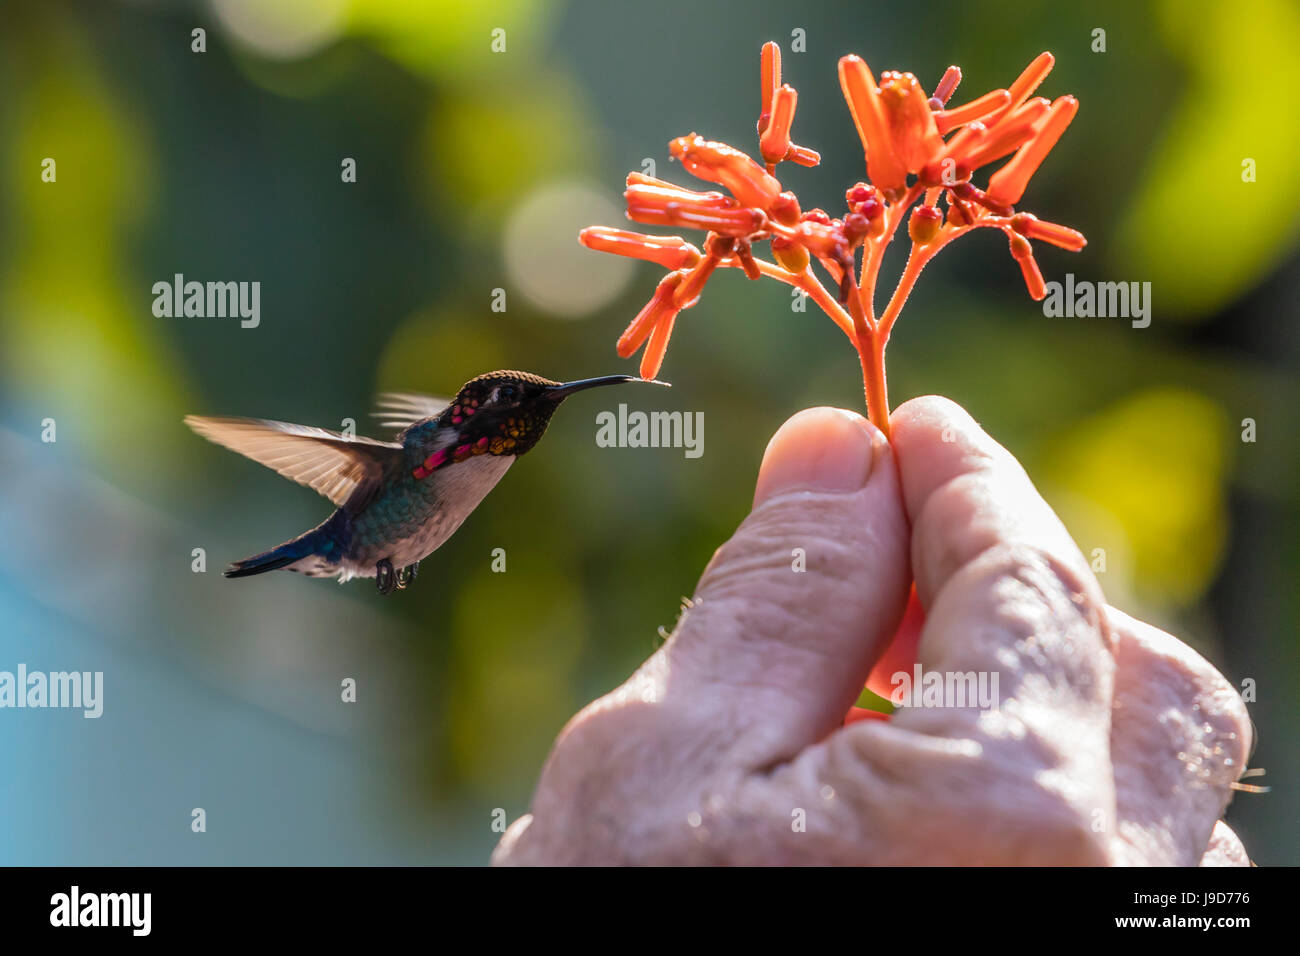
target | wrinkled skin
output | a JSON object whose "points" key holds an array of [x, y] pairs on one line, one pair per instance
{"points": [[1115, 743]]}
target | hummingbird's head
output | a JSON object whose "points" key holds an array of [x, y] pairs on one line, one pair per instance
{"points": [[506, 413]]}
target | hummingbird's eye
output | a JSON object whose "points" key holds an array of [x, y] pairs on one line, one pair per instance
{"points": [[507, 393]]}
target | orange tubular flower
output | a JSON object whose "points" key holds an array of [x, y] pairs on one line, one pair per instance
{"points": [[992, 144], [657, 310], [976, 111], [1030, 226], [911, 121], [1031, 78], [770, 80], [656, 206], [719, 163], [883, 165], [671, 252], [916, 148], [779, 102], [775, 141], [1023, 253], [692, 283], [1008, 184], [653, 359]]}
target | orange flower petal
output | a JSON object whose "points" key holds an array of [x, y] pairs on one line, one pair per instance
{"points": [[650, 316], [884, 167], [976, 111], [748, 264], [692, 283], [911, 121], [770, 79], [728, 222], [1023, 253], [1030, 111], [957, 146], [1008, 184], [775, 141], [729, 167], [641, 179], [671, 252], [803, 156], [993, 144], [661, 193], [1032, 227], [1029, 80], [653, 359], [670, 206]]}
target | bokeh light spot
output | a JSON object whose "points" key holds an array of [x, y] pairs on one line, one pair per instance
{"points": [[545, 261], [283, 29]]}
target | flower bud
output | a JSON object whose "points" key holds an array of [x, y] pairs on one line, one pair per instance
{"points": [[1032, 227], [855, 228], [790, 255], [924, 224], [1023, 253]]}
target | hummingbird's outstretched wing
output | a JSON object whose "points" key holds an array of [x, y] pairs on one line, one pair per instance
{"points": [[401, 410], [330, 463]]}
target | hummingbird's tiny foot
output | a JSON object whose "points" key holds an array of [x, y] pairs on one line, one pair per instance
{"points": [[407, 574], [385, 579]]}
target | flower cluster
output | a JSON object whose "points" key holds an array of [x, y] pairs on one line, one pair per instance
{"points": [[920, 156]]}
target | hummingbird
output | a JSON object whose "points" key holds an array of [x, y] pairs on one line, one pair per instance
{"points": [[398, 500]]}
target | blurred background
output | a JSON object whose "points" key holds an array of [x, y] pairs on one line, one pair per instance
{"points": [[474, 171]]}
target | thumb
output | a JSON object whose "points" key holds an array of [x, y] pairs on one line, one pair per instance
{"points": [[792, 612]]}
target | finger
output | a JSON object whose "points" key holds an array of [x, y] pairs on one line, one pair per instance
{"points": [[1018, 771], [967, 495], [1225, 849], [1180, 738], [792, 612], [1007, 593], [1005, 589]]}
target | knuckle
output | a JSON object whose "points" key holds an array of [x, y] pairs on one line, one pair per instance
{"points": [[1039, 619], [1056, 583]]}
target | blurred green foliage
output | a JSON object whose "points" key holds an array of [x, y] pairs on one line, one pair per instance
{"points": [[225, 164]]}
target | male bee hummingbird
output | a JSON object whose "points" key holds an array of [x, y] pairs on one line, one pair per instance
{"points": [[399, 500]]}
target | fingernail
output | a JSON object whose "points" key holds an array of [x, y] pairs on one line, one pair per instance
{"points": [[819, 449]]}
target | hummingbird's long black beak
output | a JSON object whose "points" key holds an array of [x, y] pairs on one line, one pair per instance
{"points": [[558, 393]]}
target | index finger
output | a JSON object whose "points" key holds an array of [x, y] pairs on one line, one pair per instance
{"points": [[1006, 591], [965, 495]]}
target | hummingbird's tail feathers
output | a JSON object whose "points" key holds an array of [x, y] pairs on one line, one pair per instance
{"points": [[315, 553], [335, 465], [258, 564]]}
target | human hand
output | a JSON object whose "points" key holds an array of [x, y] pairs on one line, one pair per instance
{"points": [[1114, 743]]}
